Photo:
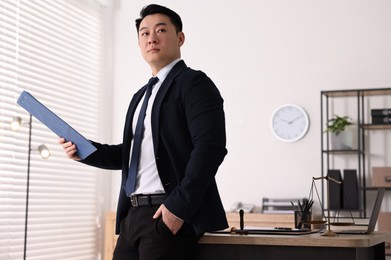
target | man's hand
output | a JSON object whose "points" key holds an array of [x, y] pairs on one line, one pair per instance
{"points": [[172, 222], [69, 148]]}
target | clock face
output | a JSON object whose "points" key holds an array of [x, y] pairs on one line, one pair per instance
{"points": [[289, 123]]}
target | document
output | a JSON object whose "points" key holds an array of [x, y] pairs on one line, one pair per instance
{"points": [[56, 124]]}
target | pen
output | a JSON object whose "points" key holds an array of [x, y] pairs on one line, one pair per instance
{"points": [[282, 228]]}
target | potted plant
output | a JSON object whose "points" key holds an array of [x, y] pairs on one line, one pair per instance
{"points": [[341, 139]]}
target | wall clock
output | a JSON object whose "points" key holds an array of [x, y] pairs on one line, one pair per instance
{"points": [[289, 123]]}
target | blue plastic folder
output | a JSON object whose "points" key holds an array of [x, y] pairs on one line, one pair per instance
{"points": [[56, 124]]}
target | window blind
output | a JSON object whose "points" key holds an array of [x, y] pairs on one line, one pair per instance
{"points": [[51, 48]]}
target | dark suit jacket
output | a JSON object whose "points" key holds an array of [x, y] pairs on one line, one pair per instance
{"points": [[188, 129]]}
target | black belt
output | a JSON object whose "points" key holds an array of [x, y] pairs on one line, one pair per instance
{"points": [[147, 200]]}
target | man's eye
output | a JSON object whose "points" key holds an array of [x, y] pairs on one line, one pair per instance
{"points": [[161, 30], [144, 34]]}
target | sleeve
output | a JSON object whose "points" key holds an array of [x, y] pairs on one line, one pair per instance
{"points": [[106, 156], [203, 109]]}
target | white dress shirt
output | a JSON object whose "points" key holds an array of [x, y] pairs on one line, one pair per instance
{"points": [[148, 180]]}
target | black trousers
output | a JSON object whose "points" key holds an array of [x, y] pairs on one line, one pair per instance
{"points": [[144, 238]]}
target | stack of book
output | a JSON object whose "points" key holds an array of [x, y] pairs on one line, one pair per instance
{"points": [[381, 116]]}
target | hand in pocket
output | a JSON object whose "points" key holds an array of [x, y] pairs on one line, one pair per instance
{"points": [[172, 222]]}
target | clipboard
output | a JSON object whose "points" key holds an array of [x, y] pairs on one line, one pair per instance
{"points": [[56, 124]]}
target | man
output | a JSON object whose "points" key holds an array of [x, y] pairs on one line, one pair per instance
{"points": [[176, 198]]}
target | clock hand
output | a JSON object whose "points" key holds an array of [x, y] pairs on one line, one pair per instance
{"points": [[290, 122]]}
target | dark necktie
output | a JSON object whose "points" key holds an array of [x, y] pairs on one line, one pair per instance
{"points": [[138, 136]]}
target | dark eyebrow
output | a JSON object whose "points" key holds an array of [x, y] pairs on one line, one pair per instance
{"points": [[158, 24]]}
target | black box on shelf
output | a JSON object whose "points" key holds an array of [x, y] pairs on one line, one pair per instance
{"points": [[381, 112], [381, 116], [380, 120]]}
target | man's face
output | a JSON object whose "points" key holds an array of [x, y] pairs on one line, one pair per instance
{"points": [[159, 42]]}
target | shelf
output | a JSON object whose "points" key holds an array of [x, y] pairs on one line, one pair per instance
{"points": [[362, 160], [376, 127], [344, 152], [355, 92]]}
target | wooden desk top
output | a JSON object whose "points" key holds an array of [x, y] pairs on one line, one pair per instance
{"points": [[352, 241]]}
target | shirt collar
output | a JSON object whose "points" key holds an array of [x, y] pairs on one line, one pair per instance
{"points": [[162, 74]]}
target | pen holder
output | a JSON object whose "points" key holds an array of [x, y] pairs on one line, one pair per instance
{"points": [[302, 219]]}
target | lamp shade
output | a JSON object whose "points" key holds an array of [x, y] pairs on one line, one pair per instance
{"points": [[44, 151], [15, 123]]}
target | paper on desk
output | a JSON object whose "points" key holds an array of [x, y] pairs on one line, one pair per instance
{"points": [[56, 124]]}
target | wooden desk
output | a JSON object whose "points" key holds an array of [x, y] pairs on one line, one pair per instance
{"points": [[273, 247], [281, 247]]}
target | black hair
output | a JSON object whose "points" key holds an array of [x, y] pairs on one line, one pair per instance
{"points": [[158, 9]]}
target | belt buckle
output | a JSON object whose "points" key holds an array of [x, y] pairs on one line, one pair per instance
{"points": [[134, 201]]}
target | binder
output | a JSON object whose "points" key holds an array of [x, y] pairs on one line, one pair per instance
{"points": [[56, 124], [350, 190], [335, 190]]}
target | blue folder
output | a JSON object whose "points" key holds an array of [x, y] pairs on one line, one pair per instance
{"points": [[56, 124]]}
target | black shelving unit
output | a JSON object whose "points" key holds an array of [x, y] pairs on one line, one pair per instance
{"points": [[357, 96]]}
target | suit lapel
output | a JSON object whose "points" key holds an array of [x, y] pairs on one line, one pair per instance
{"points": [[175, 71]]}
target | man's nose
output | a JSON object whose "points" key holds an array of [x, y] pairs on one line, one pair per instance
{"points": [[152, 38]]}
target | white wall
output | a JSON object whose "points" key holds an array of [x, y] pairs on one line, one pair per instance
{"points": [[262, 54]]}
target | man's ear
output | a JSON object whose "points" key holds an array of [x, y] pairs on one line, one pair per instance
{"points": [[181, 38]]}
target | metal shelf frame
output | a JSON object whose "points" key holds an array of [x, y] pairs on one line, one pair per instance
{"points": [[327, 153]]}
